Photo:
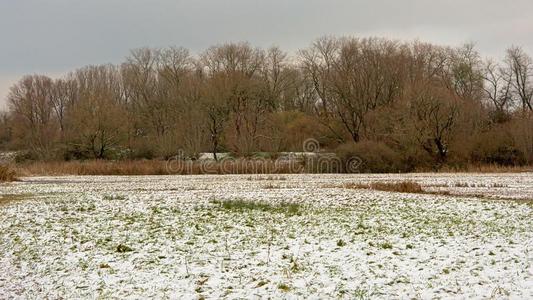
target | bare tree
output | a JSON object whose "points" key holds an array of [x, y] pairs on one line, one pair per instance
{"points": [[96, 126], [520, 65], [6, 130], [141, 82], [318, 65], [353, 77], [497, 87], [63, 95], [175, 64], [464, 72], [30, 101], [434, 112], [235, 69], [99, 121], [217, 111]]}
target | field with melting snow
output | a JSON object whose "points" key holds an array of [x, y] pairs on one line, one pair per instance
{"points": [[284, 236]]}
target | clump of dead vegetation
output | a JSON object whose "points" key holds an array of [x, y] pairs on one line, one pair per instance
{"points": [[270, 177], [271, 187], [480, 185], [7, 198], [407, 186], [7, 174], [399, 187]]}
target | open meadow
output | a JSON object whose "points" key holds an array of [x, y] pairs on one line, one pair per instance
{"points": [[253, 236]]}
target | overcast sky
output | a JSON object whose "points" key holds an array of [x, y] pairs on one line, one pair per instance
{"points": [[55, 36]]}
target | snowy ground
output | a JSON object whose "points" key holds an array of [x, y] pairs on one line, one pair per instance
{"points": [[174, 237]]}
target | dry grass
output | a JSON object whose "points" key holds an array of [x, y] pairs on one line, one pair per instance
{"points": [[7, 198], [7, 174], [485, 168], [407, 186], [352, 186], [155, 167], [398, 187], [96, 167], [270, 187], [270, 177], [173, 167], [479, 185]]}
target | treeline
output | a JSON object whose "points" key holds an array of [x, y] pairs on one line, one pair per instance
{"points": [[399, 106]]}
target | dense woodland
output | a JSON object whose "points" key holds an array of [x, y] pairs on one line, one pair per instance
{"points": [[399, 106]]}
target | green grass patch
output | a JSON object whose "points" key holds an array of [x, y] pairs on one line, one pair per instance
{"points": [[287, 208]]}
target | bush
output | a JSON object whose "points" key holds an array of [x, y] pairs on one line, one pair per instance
{"points": [[521, 131], [506, 156], [75, 153], [25, 156], [376, 157], [497, 147]]}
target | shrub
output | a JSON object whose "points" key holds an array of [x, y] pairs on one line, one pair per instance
{"points": [[376, 157], [74, 153], [497, 147], [290, 129], [25, 156], [521, 131], [507, 156]]}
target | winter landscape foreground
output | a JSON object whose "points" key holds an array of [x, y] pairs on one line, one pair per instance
{"points": [[254, 236]]}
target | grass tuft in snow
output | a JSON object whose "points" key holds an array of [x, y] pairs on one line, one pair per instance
{"points": [[123, 248], [287, 208], [114, 197]]}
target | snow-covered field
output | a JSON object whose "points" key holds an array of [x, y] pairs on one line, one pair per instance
{"points": [[288, 236]]}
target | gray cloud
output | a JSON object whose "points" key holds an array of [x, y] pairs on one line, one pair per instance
{"points": [[53, 36]]}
